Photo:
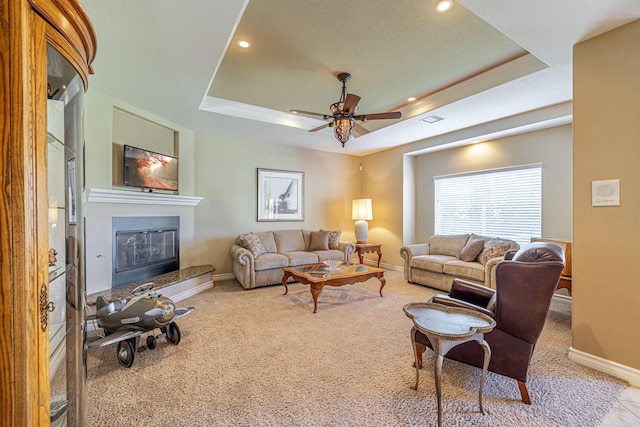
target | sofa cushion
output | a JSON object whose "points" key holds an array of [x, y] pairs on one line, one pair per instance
{"points": [[471, 250], [269, 261], [495, 248], [330, 254], [464, 270], [289, 241], [451, 245], [334, 238], [301, 258], [252, 243], [434, 263], [269, 243], [319, 241]]}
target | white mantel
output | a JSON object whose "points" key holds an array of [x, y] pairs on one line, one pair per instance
{"points": [[100, 206], [101, 195]]}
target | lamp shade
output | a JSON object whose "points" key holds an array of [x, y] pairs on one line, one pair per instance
{"points": [[361, 209]]}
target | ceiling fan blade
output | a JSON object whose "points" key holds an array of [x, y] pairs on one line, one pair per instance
{"points": [[350, 104], [310, 113], [320, 127], [379, 116], [359, 129]]}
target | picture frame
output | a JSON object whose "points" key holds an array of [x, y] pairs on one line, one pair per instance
{"points": [[71, 190], [280, 195]]}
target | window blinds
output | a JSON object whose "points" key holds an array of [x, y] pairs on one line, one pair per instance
{"points": [[504, 203]]}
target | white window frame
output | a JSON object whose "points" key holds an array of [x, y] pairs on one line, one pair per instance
{"points": [[504, 202]]}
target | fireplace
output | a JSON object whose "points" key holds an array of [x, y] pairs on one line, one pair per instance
{"points": [[144, 247]]}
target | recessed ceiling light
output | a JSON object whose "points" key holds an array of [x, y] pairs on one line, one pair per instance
{"points": [[244, 44], [411, 99], [443, 5]]}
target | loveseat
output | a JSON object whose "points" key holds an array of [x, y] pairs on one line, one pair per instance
{"points": [[445, 257], [258, 258]]}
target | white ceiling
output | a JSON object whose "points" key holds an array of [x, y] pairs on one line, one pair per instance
{"points": [[487, 66]]}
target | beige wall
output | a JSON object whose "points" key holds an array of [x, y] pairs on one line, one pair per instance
{"points": [[389, 180], [226, 176], [606, 291], [551, 147], [109, 123], [102, 111]]}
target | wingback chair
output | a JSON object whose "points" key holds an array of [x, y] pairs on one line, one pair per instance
{"points": [[525, 283]]}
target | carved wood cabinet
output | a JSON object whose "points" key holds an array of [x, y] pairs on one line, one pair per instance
{"points": [[46, 48]]}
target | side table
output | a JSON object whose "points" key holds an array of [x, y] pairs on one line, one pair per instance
{"points": [[362, 248], [447, 327]]}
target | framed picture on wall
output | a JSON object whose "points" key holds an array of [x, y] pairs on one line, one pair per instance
{"points": [[280, 195]]}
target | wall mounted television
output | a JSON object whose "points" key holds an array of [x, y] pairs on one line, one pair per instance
{"points": [[146, 169]]}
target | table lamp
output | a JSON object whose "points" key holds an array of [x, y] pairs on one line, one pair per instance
{"points": [[361, 212]]}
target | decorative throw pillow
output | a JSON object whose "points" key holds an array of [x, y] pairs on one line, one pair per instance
{"points": [[471, 250], [319, 241], [334, 239], [252, 243], [493, 248]]}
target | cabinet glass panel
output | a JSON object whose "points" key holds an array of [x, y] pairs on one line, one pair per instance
{"points": [[66, 282]]}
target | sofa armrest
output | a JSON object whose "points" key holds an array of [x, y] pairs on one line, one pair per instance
{"points": [[471, 292], [243, 266], [490, 271], [409, 251], [452, 302], [241, 255], [348, 248]]}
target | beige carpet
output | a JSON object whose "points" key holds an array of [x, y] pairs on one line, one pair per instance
{"points": [[259, 358]]}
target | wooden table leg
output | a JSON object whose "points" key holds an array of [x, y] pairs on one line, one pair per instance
{"points": [[383, 282], [315, 292], [379, 257], [284, 282]]}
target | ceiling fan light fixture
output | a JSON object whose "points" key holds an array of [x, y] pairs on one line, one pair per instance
{"points": [[443, 6], [342, 129]]}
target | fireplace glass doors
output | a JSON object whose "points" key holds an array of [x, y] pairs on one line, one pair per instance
{"points": [[144, 247]]}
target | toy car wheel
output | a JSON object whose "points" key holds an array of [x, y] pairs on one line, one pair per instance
{"points": [[173, 333], [151, 342], [125, 353]]}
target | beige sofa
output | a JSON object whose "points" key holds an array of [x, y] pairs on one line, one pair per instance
{"points": [[445, 257], [258, 258]]}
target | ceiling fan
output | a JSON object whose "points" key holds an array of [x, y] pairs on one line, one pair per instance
{"points": [[342, 114]]}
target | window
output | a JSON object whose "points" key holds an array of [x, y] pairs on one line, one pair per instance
{"points": [[504, 203]]}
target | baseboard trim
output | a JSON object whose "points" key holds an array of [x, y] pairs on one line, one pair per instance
{"points": [[192, 291], [225, 276], [631, 375], [384, 265]]}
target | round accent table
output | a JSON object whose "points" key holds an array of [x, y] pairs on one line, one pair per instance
{"points": [[447, 327]]}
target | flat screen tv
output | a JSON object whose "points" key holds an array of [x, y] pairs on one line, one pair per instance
{"points": [[146, 169]]}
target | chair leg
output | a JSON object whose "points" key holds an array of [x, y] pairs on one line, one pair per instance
{"points": [[420, 349], [524, 393]]}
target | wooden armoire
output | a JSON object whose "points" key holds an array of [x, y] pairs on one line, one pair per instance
{"points": [[46, 50]]}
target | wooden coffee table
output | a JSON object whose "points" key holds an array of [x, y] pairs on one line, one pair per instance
{"points": [[318, 276]]}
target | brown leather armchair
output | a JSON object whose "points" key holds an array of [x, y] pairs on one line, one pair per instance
{"points": [[525, 283]]}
